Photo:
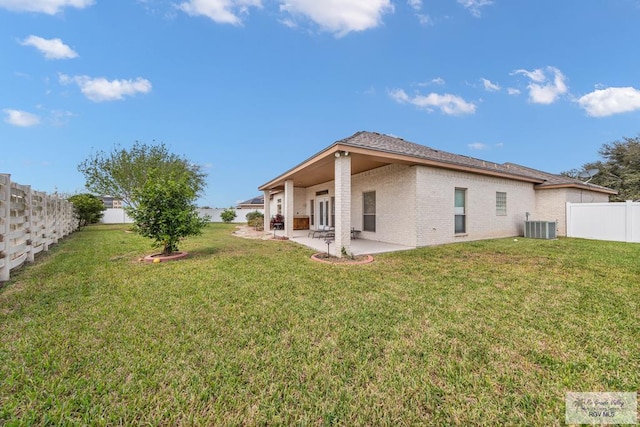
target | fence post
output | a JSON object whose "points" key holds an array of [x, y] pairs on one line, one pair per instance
{"points": [[56, 219], [45, 222], [29, 232], [5, 217]]}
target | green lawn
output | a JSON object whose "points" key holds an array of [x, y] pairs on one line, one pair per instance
{"points": [[248, 332]]}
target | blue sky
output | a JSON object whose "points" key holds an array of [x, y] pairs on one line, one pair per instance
{"points": [[250, 88]]}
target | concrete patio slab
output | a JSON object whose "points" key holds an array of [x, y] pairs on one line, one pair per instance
{"points": [[358, 246]]}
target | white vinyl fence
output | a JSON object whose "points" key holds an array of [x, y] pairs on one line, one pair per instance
{"points": [[604, 221], [115, 216], [241, 214], [119, 216], [30, 221]]}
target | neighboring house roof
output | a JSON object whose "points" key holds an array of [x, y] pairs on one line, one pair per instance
{"points": [[259, 200], [371, 149]]}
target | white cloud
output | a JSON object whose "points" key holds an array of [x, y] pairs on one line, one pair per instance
{"points": [[477, 146], [424, 19], [415, 4], [371, 91], [447, 103], [50, 7], [340, 16], [20, 118], [474, 6], [489, 86], [100, 89], [609, 101], [437, 81], [543, 89], [289, 23], [483, 146], [60, 117], [535, 75], [51, 48], [220, 11], [399, 95], [513, 91]]}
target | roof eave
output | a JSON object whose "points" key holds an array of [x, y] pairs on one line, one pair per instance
{"points": [[405, 158], [578, 186], [278, 182]]}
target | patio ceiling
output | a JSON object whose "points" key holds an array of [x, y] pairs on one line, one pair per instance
{"points": [[320, 168]]}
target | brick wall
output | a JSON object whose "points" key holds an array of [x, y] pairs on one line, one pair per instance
{"points": [[435, 213], [395, 187], [415, 204]]}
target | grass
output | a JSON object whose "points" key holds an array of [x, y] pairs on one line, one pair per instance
{"points": [[249, 332]]}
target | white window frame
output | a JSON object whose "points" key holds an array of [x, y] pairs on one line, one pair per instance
{"points": [[460, 212], [367, 215], [501, 203]]}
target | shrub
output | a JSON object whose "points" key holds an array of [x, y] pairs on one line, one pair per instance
{"points": [[228, 215], [255, 220], [87, 208], [166, 212]]}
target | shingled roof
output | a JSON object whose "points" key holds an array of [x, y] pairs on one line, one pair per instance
{"points": [[394, 145], [383, 149], [258, 200]]}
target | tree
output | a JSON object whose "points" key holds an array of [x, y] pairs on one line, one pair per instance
{"points": [[122, 173], [619, 169], [87, 208], [228, 215], [166, 210]]}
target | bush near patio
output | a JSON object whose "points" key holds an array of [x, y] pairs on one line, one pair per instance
{"points": [[255, 219], [252, 332]]}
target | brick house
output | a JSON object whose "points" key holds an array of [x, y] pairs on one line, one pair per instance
{"points": [[396, 191]]}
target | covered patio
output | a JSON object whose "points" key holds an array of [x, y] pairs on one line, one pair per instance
{"points": [[334, 166], [357, 247]]}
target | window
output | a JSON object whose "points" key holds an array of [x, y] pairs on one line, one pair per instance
{"points": [[333, 212], [501, 203], [369, 211], [313, 211], [460, 211], [279, 208]]}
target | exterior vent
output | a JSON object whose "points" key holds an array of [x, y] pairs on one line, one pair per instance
{"points": [[540, 229]]}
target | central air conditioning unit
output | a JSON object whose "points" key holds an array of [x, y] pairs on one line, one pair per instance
{"points": [[540, 229]]}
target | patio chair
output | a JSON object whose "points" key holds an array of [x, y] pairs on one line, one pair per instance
{"points": [[323, 232]]}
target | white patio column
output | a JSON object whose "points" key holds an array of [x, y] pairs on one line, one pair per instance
{"points": [[288, 208], [267, 210], [343, 202]]}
